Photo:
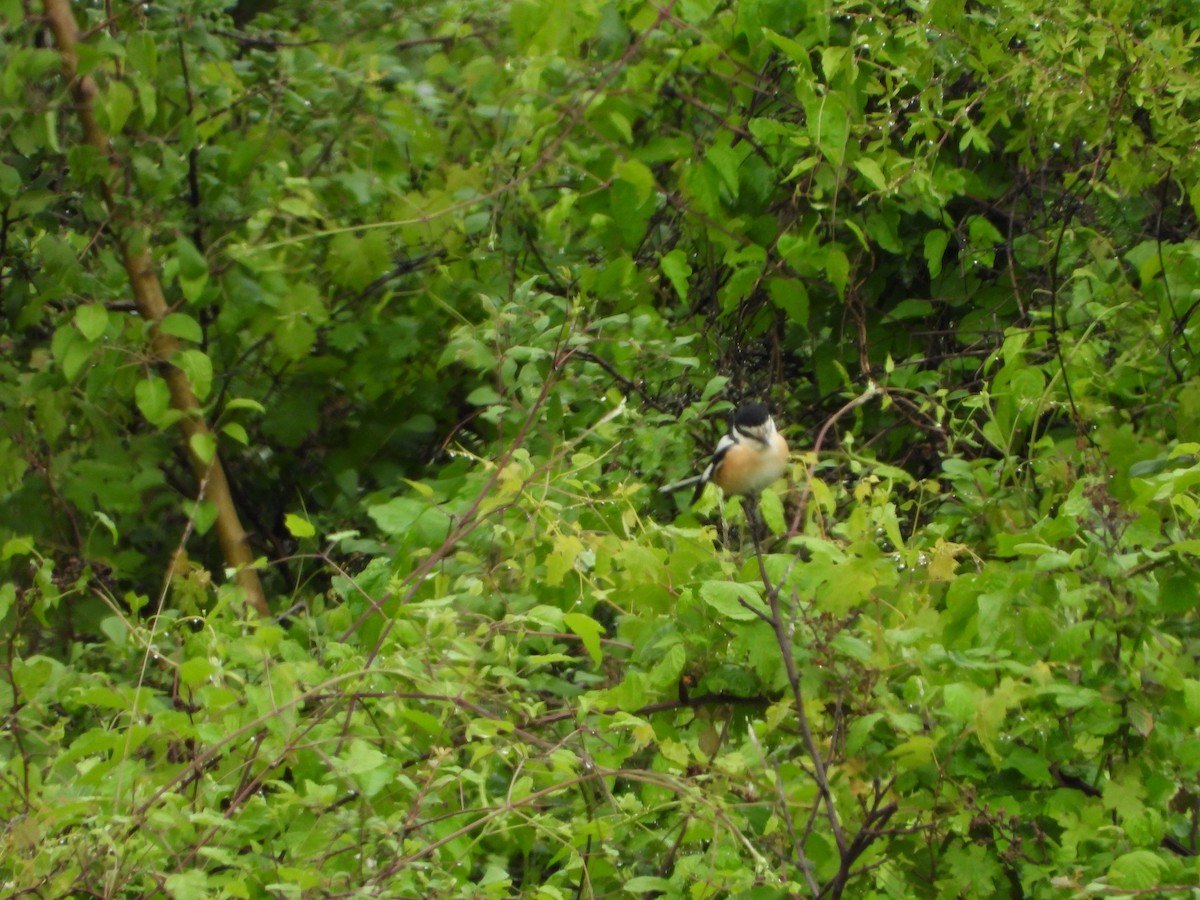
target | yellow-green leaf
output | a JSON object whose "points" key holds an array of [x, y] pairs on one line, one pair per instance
{"points": [[298, 526]]}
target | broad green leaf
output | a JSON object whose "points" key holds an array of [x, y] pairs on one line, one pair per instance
{"points": [[298, 526], [771, 508], [714, 386], [356, 261], [196, 365], [237, 431], [913, 753], [485, 395], [153, 399], [962, 701], [74, 353], [666, 671], [870, 170], [411, 519], [562, 559], [935, 250], [195, 671], [828, 122], [17, 546], [837, 269], [142, 53], [852, 646], [674, 266], [733, 600], [638, 174], [183, 326], [791, 296], [8, 595], [118, 103], [190, 885], [727, 160], [92, 320], [1138, 870], [793, 50], [116, 630], [192, 269], [204, 445], [148, 99], [10, 181], [589, 631]]}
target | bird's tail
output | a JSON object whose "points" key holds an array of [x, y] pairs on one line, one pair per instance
{"points": [[679, 485]]}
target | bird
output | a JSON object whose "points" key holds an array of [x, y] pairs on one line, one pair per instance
{"points": [[751, 456]]}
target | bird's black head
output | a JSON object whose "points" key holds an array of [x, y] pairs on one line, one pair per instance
{"points": [[750, 415]]}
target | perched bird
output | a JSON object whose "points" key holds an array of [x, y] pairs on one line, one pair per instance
{"points": [[747, 459]]}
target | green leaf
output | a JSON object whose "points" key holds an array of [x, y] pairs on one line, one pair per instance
{"points": [[854, 647], [17, 546], [398, 515], [153, 399], [92, 320], [411, 519], [828, 123], [195, 671], [713, 386], [104, 519], [196, 365], [791, 296], [298, 526], [870, 170], [142, 53], [485, 395], [913, 753], [189, 885], [643, 884], [733, 600], [1137, 871], [74, 354], [669, 667], [10, 181], [637, 174], [148, 98], [563, 559], [589, 631], [962, 701], [793, 50], [182, 326], [355, 261], [674, 265], [727, 160], [193, 269], [935, 249], [837, 269], [360, 758], [295, 337], [770, 506], [116, 630], [244, 403], [118, 103], [204, 445], [236, 431]]}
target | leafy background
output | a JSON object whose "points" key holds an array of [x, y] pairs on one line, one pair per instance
{"points": [[456, 286]]}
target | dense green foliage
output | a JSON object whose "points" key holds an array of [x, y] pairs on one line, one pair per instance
{"points": [[459, 284]]}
